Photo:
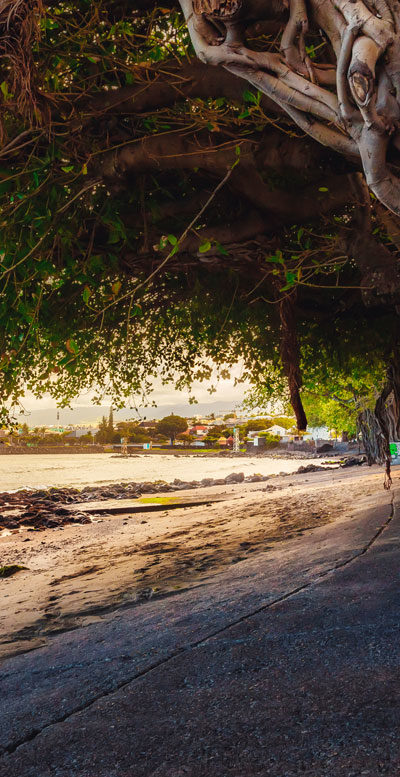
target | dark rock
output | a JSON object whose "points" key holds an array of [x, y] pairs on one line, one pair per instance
{"points": [[235, 477], [148, 488], [352, 461], [8, 523], [310, 468], [325, 447]]}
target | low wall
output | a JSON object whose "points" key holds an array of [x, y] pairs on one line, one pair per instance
{"points": [[8, 450]]}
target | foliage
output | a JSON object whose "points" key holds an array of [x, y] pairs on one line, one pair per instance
{"points": [[112, 153], [215, 432], [106, 432], [10, 569], [257, 424], [271, 440], [171, 426], [187, 439]]}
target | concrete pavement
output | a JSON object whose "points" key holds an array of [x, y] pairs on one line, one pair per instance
{"points": [[286, 664]]}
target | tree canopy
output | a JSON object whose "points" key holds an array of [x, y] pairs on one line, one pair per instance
{"points": [[171, 426], [160, 215]]}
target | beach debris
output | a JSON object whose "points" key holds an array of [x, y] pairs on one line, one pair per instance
{"points": [[11, 569]]}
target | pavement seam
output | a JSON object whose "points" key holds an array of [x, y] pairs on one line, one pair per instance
{"points": [[10, 749]]}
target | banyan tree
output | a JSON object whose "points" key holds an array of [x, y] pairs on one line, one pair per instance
{"points": [[196, 183]]}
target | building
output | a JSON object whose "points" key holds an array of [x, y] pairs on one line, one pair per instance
{"points": [[275, 429], [74, 434], [200, 430]]}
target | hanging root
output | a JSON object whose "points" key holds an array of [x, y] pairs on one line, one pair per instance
{"points": [[290, 355], [19, 29], [297, 26], [376, 427], [388, 477]]}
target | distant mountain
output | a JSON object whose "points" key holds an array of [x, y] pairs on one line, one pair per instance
{"points": [[91, 413]]}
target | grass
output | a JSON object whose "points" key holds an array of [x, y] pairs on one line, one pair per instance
{"points": [[11, 569]]}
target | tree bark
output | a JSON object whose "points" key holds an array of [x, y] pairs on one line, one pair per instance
{"points": [[362, 118], [290, 356]]}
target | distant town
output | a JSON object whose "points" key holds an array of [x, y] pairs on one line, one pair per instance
{"points": [[228, 431]]}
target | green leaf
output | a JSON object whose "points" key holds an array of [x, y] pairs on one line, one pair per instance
{"points": [[275, 258], [204, 247], [87, 293], [221, 249], [4, 88], [72, 346], [172, 239], [323, 189], [84, 169], [250, 97], [67, 169]]}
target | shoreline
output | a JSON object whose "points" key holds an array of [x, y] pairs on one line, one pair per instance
{"points": [[55, 507], [273, 453], [89, 572]]}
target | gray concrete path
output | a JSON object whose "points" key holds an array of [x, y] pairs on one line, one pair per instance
{"points": [[287, 664]]}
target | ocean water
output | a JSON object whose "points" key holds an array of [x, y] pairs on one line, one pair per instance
{"points": [[44, 470]]}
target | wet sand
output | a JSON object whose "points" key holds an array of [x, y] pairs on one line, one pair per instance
{"points": [[78, 574]]}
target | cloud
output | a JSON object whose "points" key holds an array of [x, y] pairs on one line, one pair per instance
{"points": [[226, 391]]}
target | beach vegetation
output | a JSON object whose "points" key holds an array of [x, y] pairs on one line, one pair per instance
{"points": [[10, 569]]}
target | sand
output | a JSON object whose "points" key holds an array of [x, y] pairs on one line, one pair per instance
{"points": [[78, 574]]}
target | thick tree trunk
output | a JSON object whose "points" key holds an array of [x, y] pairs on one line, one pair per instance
{"points": [[290, 356], [380, 427], [361, 60]]}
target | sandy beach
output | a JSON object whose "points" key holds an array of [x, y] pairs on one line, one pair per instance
{"points": [[78, 574]]}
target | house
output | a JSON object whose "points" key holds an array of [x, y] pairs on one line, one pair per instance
{"points": [[199, 429], [280, 430], [231, 421], [222, 441], [148, 424]]}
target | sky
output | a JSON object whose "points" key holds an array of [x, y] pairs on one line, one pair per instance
{"points": [[43, 411]]}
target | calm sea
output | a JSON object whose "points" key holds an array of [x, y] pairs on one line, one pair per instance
{"points": [[44, 470]]}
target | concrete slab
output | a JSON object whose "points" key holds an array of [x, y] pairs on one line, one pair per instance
{"points": [[231, 677]]}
